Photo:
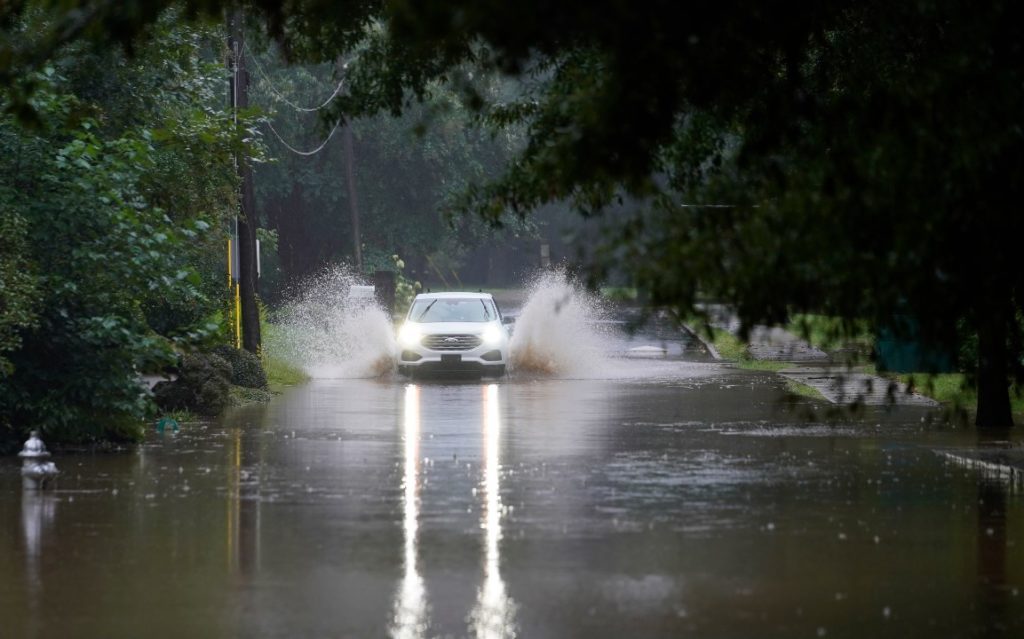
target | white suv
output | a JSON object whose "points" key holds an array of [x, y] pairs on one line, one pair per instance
{"points": [[455, 333]]}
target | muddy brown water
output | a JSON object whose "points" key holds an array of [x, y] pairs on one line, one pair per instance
{"points": [[670, 499]]}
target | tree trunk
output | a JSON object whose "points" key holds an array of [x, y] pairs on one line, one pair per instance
{"points": [[993, 387], [291, 241], [384, 290], [353, 201]]}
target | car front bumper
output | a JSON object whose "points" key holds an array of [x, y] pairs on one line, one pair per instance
{"points": [[482, 359]]}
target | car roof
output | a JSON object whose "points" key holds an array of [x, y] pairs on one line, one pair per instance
{"points": [[453, 295]]}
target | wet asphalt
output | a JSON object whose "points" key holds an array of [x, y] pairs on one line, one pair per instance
{"points": [[658, 497]]}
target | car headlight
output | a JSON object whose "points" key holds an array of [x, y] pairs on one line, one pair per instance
{"points": [[409, 335], [491, 335]]}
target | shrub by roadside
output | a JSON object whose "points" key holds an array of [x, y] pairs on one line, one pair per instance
{"points": [[203, 385], [246, 368]]}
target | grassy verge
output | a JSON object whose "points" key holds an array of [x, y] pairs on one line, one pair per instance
{"points": [[803, 390], [728, 345], [280, 373], [851, 341], [619, 293], [770, 365], [953, 390], [945, 387], [732, 348], [825, 331]]}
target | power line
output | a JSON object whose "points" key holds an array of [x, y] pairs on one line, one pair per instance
{"points": [[291, 148], [275, 93], [280, 97]]}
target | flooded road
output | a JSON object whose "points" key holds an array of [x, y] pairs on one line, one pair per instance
{"points": [[683, 499]]}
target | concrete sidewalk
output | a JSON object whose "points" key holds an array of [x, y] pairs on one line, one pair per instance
{"points": [[777, 344]]}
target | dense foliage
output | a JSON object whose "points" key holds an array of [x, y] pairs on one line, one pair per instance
{"points": [[408, 171], [112, 203]]}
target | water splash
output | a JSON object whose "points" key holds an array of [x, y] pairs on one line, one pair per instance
{"points": [[560, 330], [329, 334]]}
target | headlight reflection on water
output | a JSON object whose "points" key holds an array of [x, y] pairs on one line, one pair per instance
{"points": [[411, 611], [493, 616]]}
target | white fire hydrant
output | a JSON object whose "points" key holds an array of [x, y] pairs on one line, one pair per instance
{"points": [[36, 473]]}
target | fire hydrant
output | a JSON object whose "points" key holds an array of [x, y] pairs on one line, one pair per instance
{"points": [[36, 473]]}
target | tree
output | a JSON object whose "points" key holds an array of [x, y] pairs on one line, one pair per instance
{"points": [[18, 285], [861, 157], [407, 171], [112, 201]]}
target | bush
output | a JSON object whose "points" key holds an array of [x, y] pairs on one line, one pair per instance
{"points": [[17, 286], [109, 257], [246, 368], [203, 386]]}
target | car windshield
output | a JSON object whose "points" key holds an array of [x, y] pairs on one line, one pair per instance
{"points": [[452, 310]]}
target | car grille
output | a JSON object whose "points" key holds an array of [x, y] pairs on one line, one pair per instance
{"points": [[451, 342]]}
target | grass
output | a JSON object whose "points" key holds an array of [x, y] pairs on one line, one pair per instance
{"points": [[953, 390], [619, 293], [944, 387], [803, 390], [853, 338], [770, 365], [281, 373], [728, 345], [732, 348]]}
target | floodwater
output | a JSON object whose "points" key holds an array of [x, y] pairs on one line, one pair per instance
{"points": [[667, 498]]}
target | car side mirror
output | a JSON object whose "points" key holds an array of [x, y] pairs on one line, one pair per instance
{"points": [[508, 320]]}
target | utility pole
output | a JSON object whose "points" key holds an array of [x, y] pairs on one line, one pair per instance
{"points": [[245, 222]]}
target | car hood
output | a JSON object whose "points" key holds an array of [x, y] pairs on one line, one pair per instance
{"points": [[451, 328]]}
